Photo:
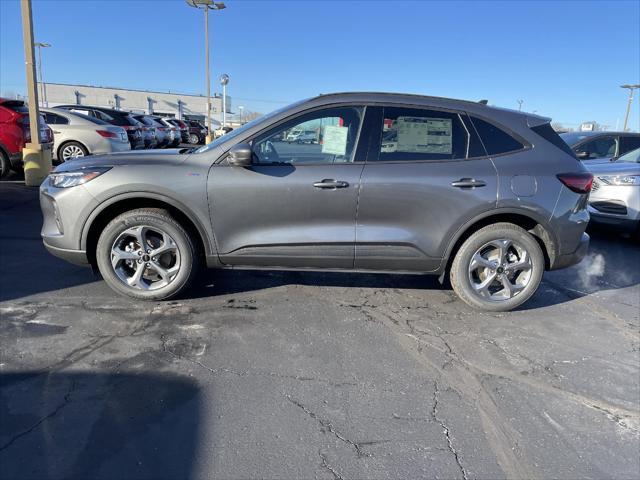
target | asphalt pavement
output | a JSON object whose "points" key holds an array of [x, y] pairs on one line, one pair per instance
{"points": [[311, 375]]}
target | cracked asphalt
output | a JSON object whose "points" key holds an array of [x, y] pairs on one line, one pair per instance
{"points": [[308, 375]]}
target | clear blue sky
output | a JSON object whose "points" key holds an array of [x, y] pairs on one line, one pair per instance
{"points": [[566, 60]]}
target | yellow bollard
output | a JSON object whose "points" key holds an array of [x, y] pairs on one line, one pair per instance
{"points": [[208, 139], [37, 164]]}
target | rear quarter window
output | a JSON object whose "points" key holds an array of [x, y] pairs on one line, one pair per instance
{"points": [[550, 135], [494, 139]]}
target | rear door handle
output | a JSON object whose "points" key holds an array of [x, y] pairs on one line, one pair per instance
{"points": [[330, 183], [468, 183]]}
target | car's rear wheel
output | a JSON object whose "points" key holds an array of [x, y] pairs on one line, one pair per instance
{"points": [[497, 268], [71, 150], [194, 139], [5, 165], [145, 254]]}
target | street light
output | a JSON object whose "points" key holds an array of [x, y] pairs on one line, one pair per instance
{"points": [[520, 102], [241, 108], [626, 117], [36, 157], [207, 5], [40, 46], [224, 79]]}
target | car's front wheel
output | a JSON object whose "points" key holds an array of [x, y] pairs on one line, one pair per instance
{"points": [[497, 268], [145, 254]]}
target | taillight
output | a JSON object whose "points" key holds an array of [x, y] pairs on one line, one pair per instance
{"points": [[130, 127], [577, 182], [107, 134]]}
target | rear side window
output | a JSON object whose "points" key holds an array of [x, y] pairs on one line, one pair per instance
{"points": [[54, 119], [550, 135], [495, 140], [412, 134], [628, 143]]}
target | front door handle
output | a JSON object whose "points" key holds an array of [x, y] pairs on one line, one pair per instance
{"points": [[330, 183], [468, 183]]}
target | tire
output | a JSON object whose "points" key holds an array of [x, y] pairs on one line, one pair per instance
{"points": [[5, 165], [71, 150], [481, 281], [194, 139], [159, 230]]}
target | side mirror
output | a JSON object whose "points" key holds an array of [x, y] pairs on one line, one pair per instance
{"points": [[240, 155], [582, 155]]}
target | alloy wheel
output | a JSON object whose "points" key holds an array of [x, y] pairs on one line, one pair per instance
{"points": [[145, 258], [71, 151], [500, 270]]}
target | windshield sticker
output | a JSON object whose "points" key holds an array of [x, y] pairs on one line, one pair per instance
{"points": [[424, 135], [334, 141]]}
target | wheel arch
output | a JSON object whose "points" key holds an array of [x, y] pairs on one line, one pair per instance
{"points": [[110, 209], [536, 226]]}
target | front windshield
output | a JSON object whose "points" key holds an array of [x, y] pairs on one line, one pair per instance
{"points": [[633, 156], [240, 130]]}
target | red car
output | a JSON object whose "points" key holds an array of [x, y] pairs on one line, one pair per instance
{"points": [[15, 133]]}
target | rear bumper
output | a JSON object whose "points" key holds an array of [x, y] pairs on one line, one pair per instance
{"points": [[567, 260]]}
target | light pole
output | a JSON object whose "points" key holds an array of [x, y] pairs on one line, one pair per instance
{"points": [[224, 80], [241, 108], [520, 102], [626, 116], [40, 46], [207, 5], [36, 157]]}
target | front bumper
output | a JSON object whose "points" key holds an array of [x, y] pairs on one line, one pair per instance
{"points": [[64, 211], [564, 261], [77, 257]]}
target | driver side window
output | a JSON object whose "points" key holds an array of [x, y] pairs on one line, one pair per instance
{"points": [[323, 136]]}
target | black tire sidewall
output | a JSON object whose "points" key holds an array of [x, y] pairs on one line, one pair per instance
{"points": [[459, 272], [5, 165], [152, 219]]}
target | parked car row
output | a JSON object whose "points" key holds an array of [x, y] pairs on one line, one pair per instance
{"points": [[80, 130]]}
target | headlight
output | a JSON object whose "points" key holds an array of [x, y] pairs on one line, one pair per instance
{"points": [[620, 179], [73, 179]]}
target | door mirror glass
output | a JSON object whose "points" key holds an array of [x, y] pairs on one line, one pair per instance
{"points": [[240, 155]]}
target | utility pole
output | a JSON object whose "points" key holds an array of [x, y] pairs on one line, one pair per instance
{"points": [[36, 157], [520, 102], [207, 5], [626, 116]]}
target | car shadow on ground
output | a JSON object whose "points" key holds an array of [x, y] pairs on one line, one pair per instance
{"points": [[91, 425]]}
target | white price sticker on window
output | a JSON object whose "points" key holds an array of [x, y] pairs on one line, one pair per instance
{"points": [[424, 135], [334, 140]]}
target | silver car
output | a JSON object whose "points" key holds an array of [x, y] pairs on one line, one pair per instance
{"points": [[615, 195], [77, 135], [490, 197]]}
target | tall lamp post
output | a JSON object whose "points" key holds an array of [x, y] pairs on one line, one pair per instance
{"points": [[207, 5], [241, 109], [626, 116], [36, 156], [43, 97], [224, 80], [520, 102]]}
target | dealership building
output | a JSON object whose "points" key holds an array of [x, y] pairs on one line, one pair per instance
{"points": [[169, 104]]}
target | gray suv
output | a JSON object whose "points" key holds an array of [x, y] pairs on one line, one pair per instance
{"points": [[394, 183]]}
